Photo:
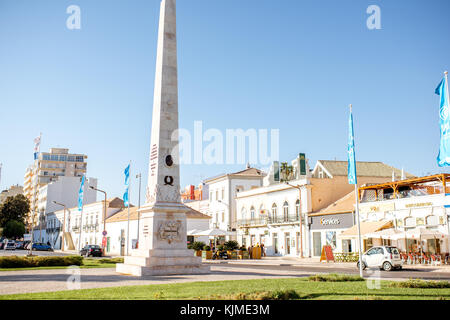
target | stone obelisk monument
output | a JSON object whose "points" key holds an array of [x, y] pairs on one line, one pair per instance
{"points": [[162, 235]]}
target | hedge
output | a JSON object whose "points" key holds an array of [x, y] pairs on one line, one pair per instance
{"points": [[40, 261]]}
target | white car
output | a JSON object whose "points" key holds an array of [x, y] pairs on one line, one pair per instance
{"points": [[11, 245], [384, 257]]}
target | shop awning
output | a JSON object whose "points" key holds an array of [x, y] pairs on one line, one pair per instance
{"points": [[366, 228]]}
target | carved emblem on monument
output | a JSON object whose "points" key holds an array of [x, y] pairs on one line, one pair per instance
{"points": [[170, 231]]}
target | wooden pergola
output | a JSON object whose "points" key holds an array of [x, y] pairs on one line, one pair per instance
{"points": [[411, 183]]}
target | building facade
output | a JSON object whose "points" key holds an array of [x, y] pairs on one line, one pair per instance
{"points": [[48, 167], [222, 193], [11, 192], [410, 204], [80, 227], [271, 214]]}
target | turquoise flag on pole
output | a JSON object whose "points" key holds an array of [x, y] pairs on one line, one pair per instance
{"points": [[81, 195], [127, 185], [351, 152], [443, 158]]}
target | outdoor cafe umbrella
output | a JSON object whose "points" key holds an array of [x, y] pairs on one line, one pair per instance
{"points": [[390, 234], [420, 233], [212, 233]]}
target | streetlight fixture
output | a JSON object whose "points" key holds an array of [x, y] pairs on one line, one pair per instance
{"points": [[104, 216], [301, 216], [64, 224]]}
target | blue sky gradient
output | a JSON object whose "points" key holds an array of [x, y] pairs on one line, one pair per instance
{"points": [[293, 65]]}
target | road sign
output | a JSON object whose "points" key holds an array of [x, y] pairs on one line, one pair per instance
{"points": [[104, 233]]}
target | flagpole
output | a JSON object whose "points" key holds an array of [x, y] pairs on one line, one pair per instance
{"points": [[128, 222], [357, 204], [446, 82]]}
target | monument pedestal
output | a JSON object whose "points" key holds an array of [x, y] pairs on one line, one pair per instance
{"points": [[163, 239]]}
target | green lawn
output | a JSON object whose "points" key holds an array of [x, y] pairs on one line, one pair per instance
{"points": [[352, 290], [87, 263]]}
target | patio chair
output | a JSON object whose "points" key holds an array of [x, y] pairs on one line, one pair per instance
{"points": [[435, 260], [411, 259]]}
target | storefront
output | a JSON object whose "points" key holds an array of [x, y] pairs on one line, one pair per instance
{"points": [[325, 229]]}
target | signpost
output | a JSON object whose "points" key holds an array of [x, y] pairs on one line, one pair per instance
{"points": [[327, 254]]}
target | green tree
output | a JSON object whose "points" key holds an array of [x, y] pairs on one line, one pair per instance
{"points": [[14, 208], [13, 229]]}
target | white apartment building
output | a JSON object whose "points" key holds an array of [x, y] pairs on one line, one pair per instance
{"points": [[222, 193], [64, 190], [80, 227], [48, 167]]}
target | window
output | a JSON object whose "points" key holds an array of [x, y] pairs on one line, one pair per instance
{"points": [[217, 194], [243, 213], [274, 212], [62, 158], [223, 193], [286, 211], [223, 216], [432, 220], [297, 209], [54, 157], [79, 159], [252, 213]]}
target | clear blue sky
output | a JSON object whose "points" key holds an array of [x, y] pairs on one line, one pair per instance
{"points": [[292, 65]]}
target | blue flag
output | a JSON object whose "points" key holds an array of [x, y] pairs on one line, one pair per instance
{"points": [[351, 152], [443, 158], [127, 185], [80, 195]]}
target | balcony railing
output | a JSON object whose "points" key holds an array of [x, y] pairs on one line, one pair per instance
{"points": [[268, 220]]}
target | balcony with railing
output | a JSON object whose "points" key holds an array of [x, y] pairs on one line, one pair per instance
{"points": [[261, 222]]}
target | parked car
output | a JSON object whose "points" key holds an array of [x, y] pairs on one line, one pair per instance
{"points": [[11, 245], [384, 257], [19, 245], [91, 250], [41, 247]]}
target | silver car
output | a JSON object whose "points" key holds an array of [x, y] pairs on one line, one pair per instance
{"points": [[384, 257], [11, 245]]}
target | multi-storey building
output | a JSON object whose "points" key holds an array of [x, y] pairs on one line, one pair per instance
{"points": [[48, 167], [222, 194], [271, 214], [11, 192]]}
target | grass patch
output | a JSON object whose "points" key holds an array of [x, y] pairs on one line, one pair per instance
{"points": [[86, 263], [111, 260], [333, 277], [422, 284], [255, 289], [265, 295]]}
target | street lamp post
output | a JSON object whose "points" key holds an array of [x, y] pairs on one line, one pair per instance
{"points": [[301, 217], [64, 224], [138, 176], [104, 216]]}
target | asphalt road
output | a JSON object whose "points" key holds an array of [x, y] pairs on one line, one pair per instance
{"points": [[430, 273]]}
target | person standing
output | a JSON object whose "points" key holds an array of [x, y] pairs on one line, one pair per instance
{"points": [[263, 253]]}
